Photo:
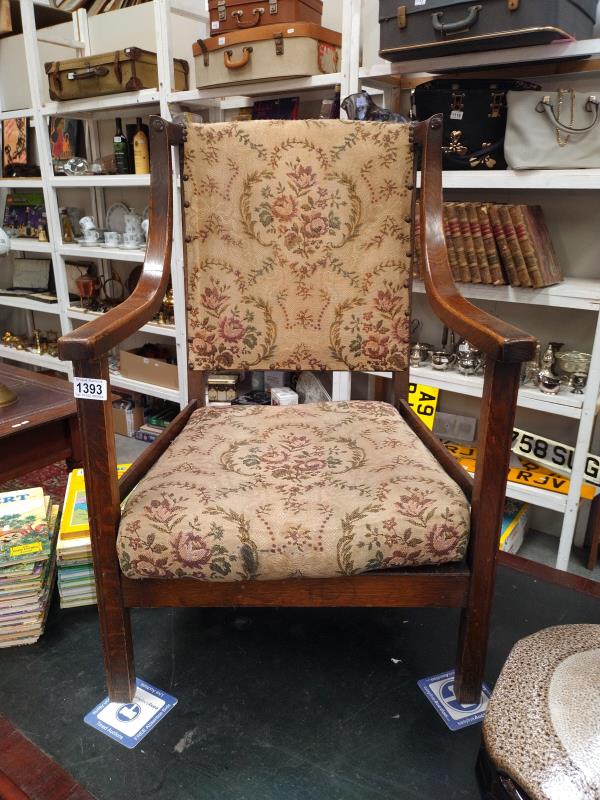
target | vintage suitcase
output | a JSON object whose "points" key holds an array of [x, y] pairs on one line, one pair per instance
{"points": [[125, 70], [431, 28], [234, 15], [266, 53], [475, 113]]}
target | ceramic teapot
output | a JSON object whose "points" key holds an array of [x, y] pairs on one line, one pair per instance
{"points": [[133, 225]]}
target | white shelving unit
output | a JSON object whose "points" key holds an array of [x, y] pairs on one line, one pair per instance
{"points": [[578, 294]]}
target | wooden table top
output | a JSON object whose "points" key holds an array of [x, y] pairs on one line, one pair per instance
{"points": [[42, 399]]}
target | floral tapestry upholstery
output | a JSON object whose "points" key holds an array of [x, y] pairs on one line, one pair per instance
{"points": [[315, 490], [298, 237]]}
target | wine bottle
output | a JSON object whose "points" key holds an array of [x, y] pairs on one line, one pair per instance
{"points": [[141, 157], [121, 150]]}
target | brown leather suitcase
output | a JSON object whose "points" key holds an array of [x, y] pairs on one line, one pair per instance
{"points": [[127, 70], [412, 29], [236, 15], [270, 52]]}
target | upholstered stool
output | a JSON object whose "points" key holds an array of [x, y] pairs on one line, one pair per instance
{"points": [[541, 735]]}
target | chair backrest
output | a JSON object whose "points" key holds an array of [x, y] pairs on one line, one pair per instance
{"points": [[298, 244]]}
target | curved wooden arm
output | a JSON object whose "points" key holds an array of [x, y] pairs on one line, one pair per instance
{"points": [[497, 339], [100, 335]]}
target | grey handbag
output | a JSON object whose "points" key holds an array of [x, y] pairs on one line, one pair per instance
{"points": [[552, 130]]}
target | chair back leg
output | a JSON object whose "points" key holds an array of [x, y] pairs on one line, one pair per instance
{"points": [[497, 416]]}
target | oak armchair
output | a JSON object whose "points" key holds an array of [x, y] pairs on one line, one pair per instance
{"points": [[298, 250]]}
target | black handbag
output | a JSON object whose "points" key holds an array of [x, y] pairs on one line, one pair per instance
{"points": [[474, 118]]}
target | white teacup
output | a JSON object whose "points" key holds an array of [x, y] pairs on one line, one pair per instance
{"points": [[112, 238], [91, 235], [87, 224]]}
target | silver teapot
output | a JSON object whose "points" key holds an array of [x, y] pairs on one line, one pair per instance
{"points": [[469, 359]]}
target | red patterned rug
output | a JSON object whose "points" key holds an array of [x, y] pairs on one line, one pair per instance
{"points": [[53, 480]]}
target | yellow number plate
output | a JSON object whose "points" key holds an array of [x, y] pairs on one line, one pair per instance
{"points": [[423, 400]]}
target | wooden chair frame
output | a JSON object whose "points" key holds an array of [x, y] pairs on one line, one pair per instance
{"points": [[469, 585]]}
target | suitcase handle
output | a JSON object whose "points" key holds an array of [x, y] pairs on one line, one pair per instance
{"points": [[257, 12], [90, 72], [592, 106], [230, 63], [458, 26]]}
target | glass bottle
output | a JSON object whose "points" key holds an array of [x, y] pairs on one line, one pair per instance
{"points": [[141, 156], [121, 150]]}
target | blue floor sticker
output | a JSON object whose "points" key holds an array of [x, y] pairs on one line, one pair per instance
{"points": [[128, 723], [439, 690]]}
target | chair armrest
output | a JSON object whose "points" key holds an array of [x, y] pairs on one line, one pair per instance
{"points": [[97, 337], [497, 339]]}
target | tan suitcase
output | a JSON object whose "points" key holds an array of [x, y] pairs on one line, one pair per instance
{"points": [[268, 52], [235, 15], [127, 70]]}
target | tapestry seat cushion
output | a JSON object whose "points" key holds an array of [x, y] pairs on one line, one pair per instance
{"points": [[273, 492], [542, 725]]}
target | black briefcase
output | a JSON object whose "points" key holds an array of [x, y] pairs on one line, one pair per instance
{"points": [[430, 28], [474, 118]]}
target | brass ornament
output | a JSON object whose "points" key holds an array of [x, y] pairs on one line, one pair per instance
{"points": [[7, 397]]}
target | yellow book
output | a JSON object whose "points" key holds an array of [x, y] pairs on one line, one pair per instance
{"points": [[75, 523]]}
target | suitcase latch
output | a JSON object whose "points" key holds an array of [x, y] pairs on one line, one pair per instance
{"points": [[457, 105], [278, 37], [272, 8], [497, 104], [221, 8], [513, 5], [401, 16]]}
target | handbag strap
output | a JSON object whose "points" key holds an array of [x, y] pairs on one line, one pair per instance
{"points": [[592, 105]]}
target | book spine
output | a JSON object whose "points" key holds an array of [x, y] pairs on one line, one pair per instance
{"points": [[505, 253], [452, 259], [476, 235], [417, 265], [465, 230], [542, 243], [515, 248], [526, 245], [493, 257], [459, 247]]}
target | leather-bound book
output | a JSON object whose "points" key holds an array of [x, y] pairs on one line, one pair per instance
{"points": [[476, 235], [508, 262], [491, 251]]}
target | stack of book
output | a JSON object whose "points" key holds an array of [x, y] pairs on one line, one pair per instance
{"points": [[497, 244], [27, 564], [76, 585]]}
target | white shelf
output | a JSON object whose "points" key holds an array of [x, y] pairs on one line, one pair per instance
{"points": [[537, 497], [583, 293], [29, 305], [27, 357], [565, 404], [562, 49], [152, 389], [530, 179], [105, 181], [21, 183], [112, 253], [21, 112], [91, 106], [30, 245], [86, 316], [198, 96]]}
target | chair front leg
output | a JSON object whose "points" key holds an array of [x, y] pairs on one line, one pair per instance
{"points": [[497, 416], [102, 493]]}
